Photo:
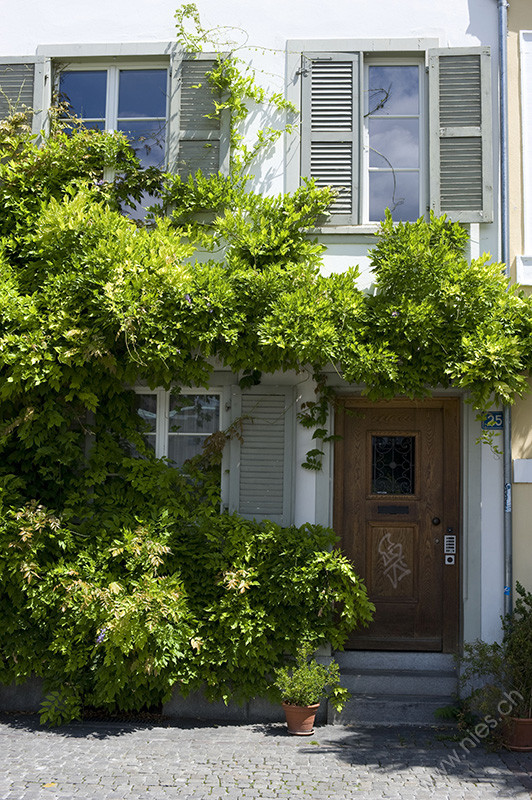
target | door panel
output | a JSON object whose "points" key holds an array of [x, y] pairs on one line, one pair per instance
{"points": [[396, 495]]}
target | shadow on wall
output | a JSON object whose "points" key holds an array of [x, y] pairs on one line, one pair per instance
{"points": [[483, 22]]}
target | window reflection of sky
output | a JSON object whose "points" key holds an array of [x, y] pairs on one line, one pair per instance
{"points": [[142, 93], [401, 197], [393, 132], [147, 139], [394, 142], [393, 90], [85, 92]]}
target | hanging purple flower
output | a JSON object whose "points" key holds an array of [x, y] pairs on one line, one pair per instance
{"points": [[188, 299], [101, 635]]}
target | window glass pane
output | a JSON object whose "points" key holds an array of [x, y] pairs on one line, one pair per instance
{"points": [[393, 463], [147, 139], [147, 409], [195, 413], [181, 448], [142, 93], [85, 92], [393, 143], [393, 90], [398, 191]]}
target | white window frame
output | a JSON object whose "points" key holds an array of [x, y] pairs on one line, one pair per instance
{"points": [[162, 419], [391, 51], [373, 60]]}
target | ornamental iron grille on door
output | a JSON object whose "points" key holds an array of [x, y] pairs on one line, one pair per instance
{"points": [[393, 464]]}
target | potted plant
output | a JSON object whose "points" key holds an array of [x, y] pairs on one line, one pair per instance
{"points": [[303, 686], [501, 675]]}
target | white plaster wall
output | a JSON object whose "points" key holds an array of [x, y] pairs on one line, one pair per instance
{"points": [[492, 555], [28, 23], [483, 548]]}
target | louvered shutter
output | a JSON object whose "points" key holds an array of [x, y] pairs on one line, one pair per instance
{"points": [[194, 137], [17, 82], [262, 463], [461, 173], [330, 128]]}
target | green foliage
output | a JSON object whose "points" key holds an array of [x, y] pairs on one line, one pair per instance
{"points": [[308, 682], [490, 670], [117, 609]]}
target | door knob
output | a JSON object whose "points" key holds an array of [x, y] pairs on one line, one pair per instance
{"points": [[436, 520]]}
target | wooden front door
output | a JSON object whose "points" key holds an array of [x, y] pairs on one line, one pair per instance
{"points": [[397, 511]]}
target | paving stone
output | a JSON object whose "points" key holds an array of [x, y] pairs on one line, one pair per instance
{"points": [[197, 761]]}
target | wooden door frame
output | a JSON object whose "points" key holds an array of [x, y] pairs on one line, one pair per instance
{"points": [[451, 408]]}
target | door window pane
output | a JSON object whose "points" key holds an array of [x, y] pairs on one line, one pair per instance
{"points": [[194, 413], [147, 410], [393, 464], [192, 418]]}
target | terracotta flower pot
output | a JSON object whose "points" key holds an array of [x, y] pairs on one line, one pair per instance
{"points": [[300, 719], [518, 733]]}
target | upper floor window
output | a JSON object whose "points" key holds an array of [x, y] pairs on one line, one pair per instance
{"points": [[404, 132], [157, 95], [134, 101]]}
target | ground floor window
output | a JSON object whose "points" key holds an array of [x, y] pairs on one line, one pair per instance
{"points": [[178, 424]]}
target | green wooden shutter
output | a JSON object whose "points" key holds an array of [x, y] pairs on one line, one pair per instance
{"points": [[330, 128], [262, 463], [461, 174], [194, 137], [17, 84]]}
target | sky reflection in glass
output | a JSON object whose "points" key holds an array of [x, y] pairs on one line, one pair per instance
{"points": [[142, 93], [85, 92], [393, 90], [393, 123]]}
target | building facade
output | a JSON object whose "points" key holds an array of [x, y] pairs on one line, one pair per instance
{"points": [[397, 109]]}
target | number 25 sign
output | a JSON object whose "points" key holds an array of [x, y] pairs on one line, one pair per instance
{"points": [[493, 421]]}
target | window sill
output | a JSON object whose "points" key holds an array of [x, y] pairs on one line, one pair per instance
{"points": [[369, 229]]}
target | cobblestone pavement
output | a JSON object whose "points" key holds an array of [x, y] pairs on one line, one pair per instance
{"points": [[192, 761]]}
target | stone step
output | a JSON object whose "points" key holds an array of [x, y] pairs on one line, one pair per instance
{"points": [[400, 682], [389, 710], [395, 687], [377, 659]]}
